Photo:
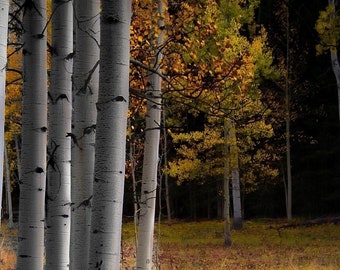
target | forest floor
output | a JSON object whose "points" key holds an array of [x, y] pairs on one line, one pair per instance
{"points": [[261, 244]]}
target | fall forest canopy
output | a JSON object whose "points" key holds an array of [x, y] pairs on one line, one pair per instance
{"points": [[225, 60], [148, 110]]}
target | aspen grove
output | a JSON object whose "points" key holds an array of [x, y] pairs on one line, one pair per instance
{"points": [[146, 110]]}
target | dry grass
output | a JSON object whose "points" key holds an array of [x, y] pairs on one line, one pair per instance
{"points": [[199, 245], [7, 248]]}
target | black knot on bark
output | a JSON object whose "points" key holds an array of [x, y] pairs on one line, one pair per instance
{"points": [[110, 19], [39, 170], [119, 99]]}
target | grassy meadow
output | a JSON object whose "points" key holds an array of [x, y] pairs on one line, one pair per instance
{"points": [[199, 245]]}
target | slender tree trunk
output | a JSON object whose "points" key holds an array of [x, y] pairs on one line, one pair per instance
{"points": [[134, 185], [151, 160], [166, 178], [226, 190], [336, 71], [59, 162], [85, 93], [287, 101], [235, 178], [335, 60], [8, 190], [112, 108], [34, 128], [4, 4], [18, 150]]}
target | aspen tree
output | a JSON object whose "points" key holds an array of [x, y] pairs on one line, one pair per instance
{"points": [[235, 177], [328, 27], [30, 253], [59, 159], [151, 156], [85, 94], [112, 108], [3, 63]]}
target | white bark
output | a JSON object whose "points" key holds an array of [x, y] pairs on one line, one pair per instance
{"points": [[336, 71], [85, 88], [112, 107], [226, 189], [235, 178], [34, 126], [3, 63], [144, 258], [59, 162]]}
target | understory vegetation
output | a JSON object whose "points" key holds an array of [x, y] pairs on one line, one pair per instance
{"points": [[261, 244]]}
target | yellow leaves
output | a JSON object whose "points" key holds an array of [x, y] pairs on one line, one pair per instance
{"points": [[328, 27]]}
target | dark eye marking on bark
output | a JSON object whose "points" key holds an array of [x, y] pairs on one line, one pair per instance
{"points": [[74, 139], [70, 56], [99, 264], [39, 170], [62, 96], [119, 99], [24, 52], [90, 129], [110, 19], [43, 129], [39, 36], [86, 203], [97, 231], [25, 256]]}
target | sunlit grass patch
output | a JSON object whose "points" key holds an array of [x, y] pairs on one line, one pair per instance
{"points": [[199, 245], [7, 251]]}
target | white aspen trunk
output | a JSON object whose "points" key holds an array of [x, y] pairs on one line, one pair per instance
{"points": [[85, 94], [8, 190], [235, 178], [334, 58], [144, 259], [336, 71], [30, 254], [112, 108], [59, 160], [226, 189], [3, 64]]}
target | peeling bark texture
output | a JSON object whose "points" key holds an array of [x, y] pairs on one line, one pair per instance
{"points": [[145, 252], [59, 147], [85, 95], [108, 190], [3, 62], [30, 254]]}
